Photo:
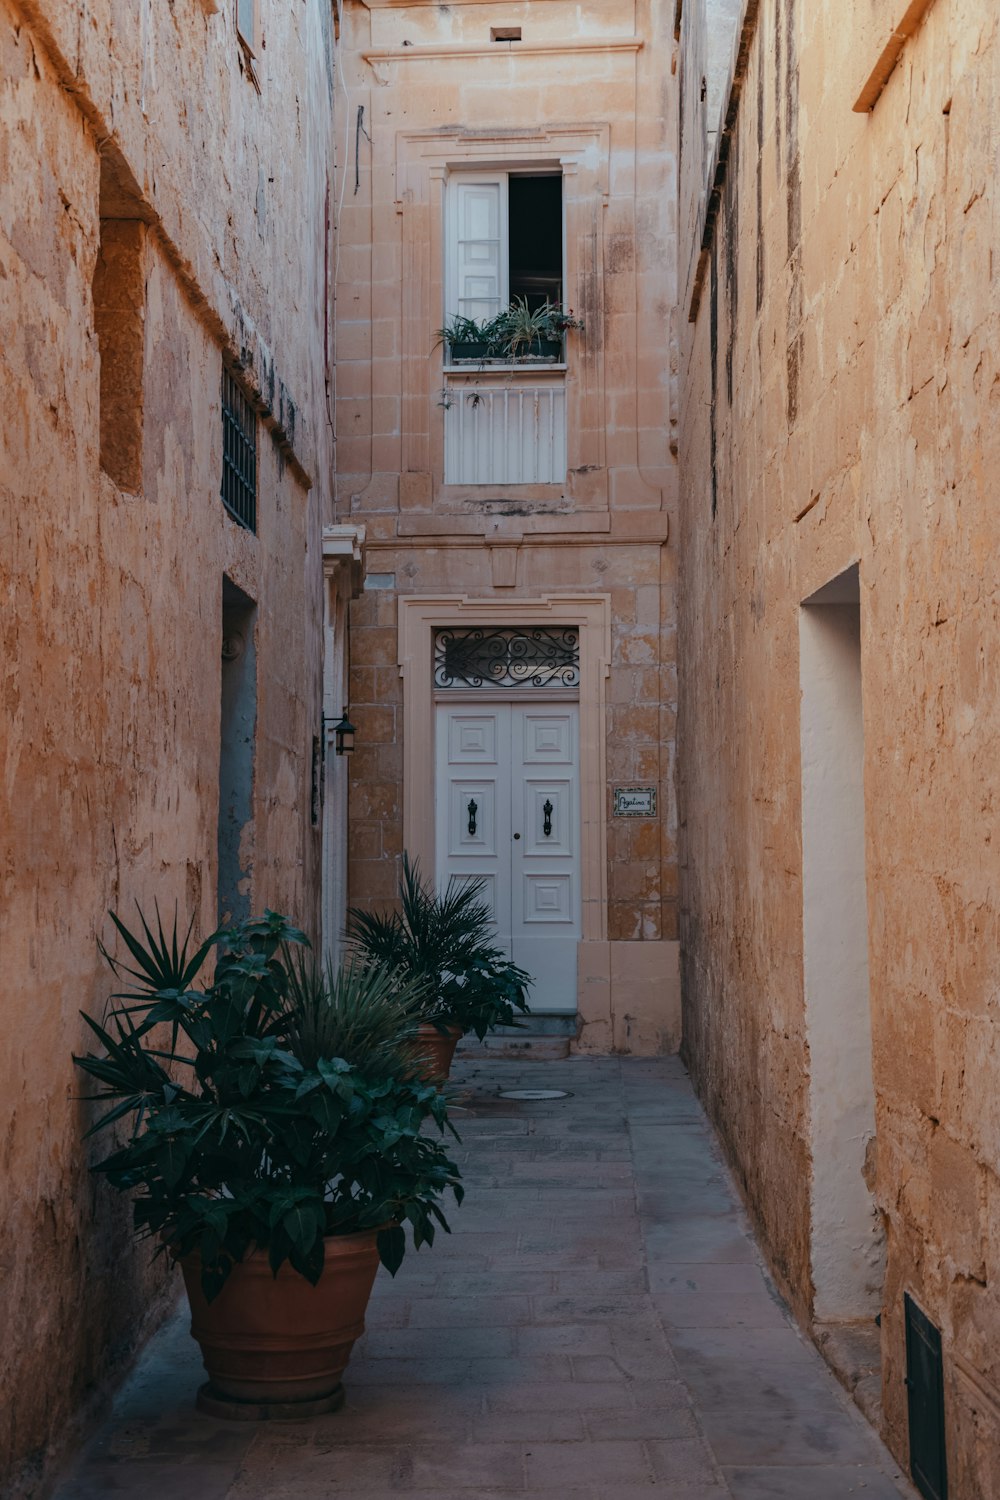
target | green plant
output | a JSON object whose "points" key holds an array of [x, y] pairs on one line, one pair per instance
{"points": [[270, 1108], [462, 330], [519, 326], [511, 334], [445, 944]]}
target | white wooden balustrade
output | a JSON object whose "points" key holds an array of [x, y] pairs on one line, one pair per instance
{"points": [[505, 429]]}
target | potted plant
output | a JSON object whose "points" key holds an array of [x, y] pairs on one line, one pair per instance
{"points": [[466, 339], [275, 1147], [444, 943], [521, 332], [517, 333]]}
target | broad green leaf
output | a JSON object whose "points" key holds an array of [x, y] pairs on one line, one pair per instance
{"points": [[391, 1248]]}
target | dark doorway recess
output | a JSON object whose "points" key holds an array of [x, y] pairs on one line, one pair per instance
{"points": [[536, 239], [925, 1403], [237, 743]]}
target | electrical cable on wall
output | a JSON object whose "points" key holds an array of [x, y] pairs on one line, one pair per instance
{"points": [[359, 131]]}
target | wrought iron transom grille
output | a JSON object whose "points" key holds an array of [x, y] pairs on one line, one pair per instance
{"points": [[515, 656], [239, 453]]}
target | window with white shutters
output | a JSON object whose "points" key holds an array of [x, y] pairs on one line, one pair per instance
{"points": [[478, 283], [505, 242]]}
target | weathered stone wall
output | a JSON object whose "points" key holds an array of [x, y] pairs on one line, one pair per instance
{"points": [[840, 385], [215, 220], [589, 87]]}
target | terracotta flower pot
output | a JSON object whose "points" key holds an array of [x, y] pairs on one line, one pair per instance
{"points": [[434, 1051], [275, 1342]]}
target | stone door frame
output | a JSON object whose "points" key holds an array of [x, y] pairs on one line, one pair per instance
{"points": [[419, 617]]}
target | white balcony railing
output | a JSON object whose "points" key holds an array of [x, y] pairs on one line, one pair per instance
{"points": [[503, 431]]}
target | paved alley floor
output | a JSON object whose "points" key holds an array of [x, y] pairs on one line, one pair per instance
{"points": [[597, 1327]]}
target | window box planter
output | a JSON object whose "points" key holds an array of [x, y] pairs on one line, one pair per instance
{"points": [[469, 350], [481, 353], [543, 349]]}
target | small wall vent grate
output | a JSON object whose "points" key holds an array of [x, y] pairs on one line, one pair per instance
{"points": [[505, 33]]}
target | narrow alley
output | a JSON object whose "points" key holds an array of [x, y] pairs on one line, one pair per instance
{"points": [[498, 524], [598, 1326]]}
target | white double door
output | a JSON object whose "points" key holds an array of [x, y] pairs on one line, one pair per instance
{"points": [[507, 809]]}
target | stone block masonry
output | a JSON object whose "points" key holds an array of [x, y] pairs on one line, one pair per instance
{"points": [[153, 212], [587, 101], [839, 421]]}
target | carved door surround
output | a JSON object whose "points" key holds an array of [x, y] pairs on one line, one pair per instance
{"points": [[419, 617]]}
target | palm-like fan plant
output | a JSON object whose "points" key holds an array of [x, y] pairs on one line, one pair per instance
{"points": [[445, 943], [280, 1109]]}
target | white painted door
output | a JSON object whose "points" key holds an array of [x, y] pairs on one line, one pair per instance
{"points": [[508, 810]]}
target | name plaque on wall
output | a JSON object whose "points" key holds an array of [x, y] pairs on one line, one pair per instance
{"points": [[635, 801]]}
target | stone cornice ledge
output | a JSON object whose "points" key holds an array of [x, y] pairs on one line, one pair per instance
{"points": [[429, 50], [344, 546], [889, 56]]}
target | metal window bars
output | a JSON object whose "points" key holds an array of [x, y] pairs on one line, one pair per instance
{"points": [[239, 452]]}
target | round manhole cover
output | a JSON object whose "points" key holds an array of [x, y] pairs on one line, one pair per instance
{"points": [[533, 1094]]}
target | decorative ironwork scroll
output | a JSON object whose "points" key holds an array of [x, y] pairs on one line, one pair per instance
{"points": [[516, 656]]}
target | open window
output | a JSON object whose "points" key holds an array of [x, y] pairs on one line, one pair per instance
{"points": [[505, 242], [504, 393]]}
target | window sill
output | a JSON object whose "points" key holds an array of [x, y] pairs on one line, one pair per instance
{"points": [[506, 366]]}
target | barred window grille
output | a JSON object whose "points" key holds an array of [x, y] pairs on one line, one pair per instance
{"points": [[239, 452], [519, 656]]}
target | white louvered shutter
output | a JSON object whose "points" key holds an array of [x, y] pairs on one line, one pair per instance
{"points": [[478, 248]]}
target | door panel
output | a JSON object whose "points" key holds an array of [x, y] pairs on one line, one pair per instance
{"points": [[519, 765], [548, 898], [545, 922], [548, 805], [472, 820], [472, 737], [547, 738], [473, 765]]}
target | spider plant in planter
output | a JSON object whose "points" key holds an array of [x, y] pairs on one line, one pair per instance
{"points": [[274, 1147], [516, 333], [520, 331], [444, 944]]}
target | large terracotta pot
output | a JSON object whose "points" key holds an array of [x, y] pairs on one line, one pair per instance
{"points": [[276, 1341], [434, 1051]]}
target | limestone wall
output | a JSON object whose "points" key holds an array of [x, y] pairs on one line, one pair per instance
{"points": [[588, 91], [839, 408], [113, 547]]}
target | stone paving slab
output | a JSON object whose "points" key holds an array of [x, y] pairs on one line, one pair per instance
{"points": [[597, 1327]]}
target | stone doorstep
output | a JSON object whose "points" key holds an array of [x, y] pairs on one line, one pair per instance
{"points": [[542, 1023], [528, 1049], [543, 1038], [854, 1353]]}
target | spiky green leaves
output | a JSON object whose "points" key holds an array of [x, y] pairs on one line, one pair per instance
{"points": [[278, 1112], [445, 943]]}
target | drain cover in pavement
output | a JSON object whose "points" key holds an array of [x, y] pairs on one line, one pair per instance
{"points": [[534, 1094]]}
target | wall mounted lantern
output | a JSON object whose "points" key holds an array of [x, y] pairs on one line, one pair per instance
{"points": [[343, 735]]}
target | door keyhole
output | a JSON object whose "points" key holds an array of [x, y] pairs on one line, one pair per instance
{"points": [[473, 809], [547, 811], [517, 835]]}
